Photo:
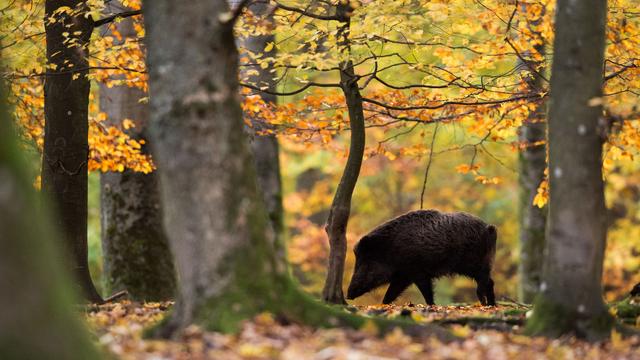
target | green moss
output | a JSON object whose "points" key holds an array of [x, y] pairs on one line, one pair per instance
{"points": [[137, 255], [625, 309], [554, 320], [515, 312]]}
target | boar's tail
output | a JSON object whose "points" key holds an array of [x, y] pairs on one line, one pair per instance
{"points": [[490, 238]]}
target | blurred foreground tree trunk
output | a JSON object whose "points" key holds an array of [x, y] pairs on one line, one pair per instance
{"points": [[231, 266], [533, 162], [66, 131], [136, 252], [265, 147], [36, 321], [570, 300]]}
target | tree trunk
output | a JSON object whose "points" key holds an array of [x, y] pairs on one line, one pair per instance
{"points": [[532, 219], [533, 162], [230, 264], [265, 147], [341, 206], [64, 160], [135, 247], [35, 317], [570, 300]]}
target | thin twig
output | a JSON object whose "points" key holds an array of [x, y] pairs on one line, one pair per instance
{"points": [[426, 172], [116, 296], [525, 61]]}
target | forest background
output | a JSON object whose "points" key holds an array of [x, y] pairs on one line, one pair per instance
{"points": [[471, 153]]}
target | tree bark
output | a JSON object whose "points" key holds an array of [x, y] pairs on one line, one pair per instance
{"points": [[35, 317], [225, 252], [533, 162], [570, 300], [532, 219], [64, 160], [136, 251], [266, 151], [230, 264], [340, 211]]}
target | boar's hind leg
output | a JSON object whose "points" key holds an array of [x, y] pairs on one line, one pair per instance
{"points": [[426, 288], [396, 287]]}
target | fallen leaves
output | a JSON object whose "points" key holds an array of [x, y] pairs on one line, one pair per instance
{"points": [[119, 327]]}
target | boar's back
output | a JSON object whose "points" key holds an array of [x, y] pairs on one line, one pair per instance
{"points": [[435, 242]]}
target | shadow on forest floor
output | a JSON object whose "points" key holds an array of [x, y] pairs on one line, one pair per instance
{"points": [[487, 332]]}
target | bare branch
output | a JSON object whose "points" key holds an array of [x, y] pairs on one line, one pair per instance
{"points": [[446, 103], [336, 17], [114, 17], [294, 92]]}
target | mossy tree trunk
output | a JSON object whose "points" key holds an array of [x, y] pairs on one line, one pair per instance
{"points": [[340, 211], [266, 151], [35, 317], [231, 266], [570, 300], [533, 162], [64, 160], [136, 252]]}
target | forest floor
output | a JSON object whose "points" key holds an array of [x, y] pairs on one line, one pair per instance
{"points": [[487, 333]]}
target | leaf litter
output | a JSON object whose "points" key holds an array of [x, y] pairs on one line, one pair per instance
{"points": [[493, 333]]}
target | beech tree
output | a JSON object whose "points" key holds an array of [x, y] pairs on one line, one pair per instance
{"points": [[341, 206], [66, 131], [36, 321], [570, 300], [533, 162], [66, 156], [231, 265], [135, 248]]}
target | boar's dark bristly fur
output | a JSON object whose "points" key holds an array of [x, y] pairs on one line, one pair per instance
{"points": [[423, 245]]}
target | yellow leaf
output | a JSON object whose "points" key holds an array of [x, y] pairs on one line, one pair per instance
{"points": [[127, 124], [461, 331]]}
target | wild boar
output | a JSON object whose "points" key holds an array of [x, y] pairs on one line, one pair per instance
{"points": [[423, 245]]}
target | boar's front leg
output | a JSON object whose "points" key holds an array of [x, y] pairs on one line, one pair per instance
{"points": [[426, 288], [485, 290], [396, 287], [491, 296]]}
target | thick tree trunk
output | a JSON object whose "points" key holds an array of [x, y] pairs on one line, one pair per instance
{"points": [[265, 147], [35, 317], [64, 161], [341, 206], [135, 247], [230, 264], [570, 300], [225, 253], [533, 162]]}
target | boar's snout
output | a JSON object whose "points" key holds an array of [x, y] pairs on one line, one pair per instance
{"points": [[367, 275], [354, 291], [356, 286]]}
